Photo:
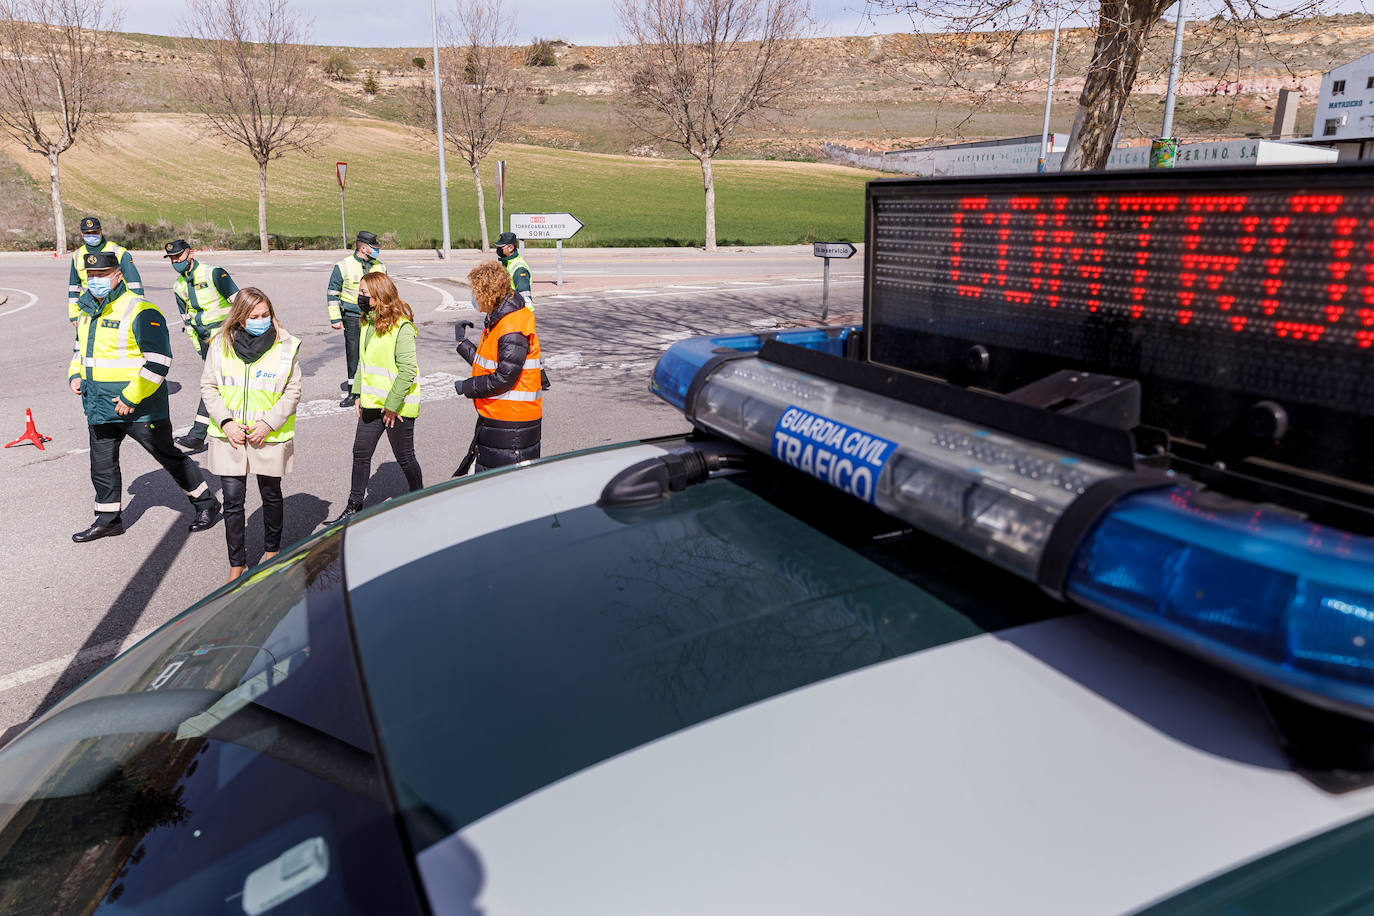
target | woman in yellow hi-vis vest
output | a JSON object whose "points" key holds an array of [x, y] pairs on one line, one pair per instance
{"points": [[251, 385], [385, 386]]}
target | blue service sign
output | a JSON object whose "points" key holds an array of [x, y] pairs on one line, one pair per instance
{"points": [[846, 457]]}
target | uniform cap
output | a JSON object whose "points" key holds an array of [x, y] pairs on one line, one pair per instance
{"points": [[100, 260], [90, 224], [367, 238], [507, 238], [175, 247]]}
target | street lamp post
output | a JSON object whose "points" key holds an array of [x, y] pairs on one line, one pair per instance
{"points": [[1049, 98], [439, 130], [1169, 98]]}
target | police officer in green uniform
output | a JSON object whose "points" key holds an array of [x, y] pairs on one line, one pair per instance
{"points": [[203, 295], [509, 256], [94, 240], [342, 299], [119, 362]]}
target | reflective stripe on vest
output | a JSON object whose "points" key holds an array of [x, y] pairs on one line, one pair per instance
{"points": [[205, 307], [352, 270], [516, 262], [113, 355], [250, 392], [377, 363], [522, 403], [79, 258]]}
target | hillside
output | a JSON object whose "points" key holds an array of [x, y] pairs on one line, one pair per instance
{"points": [[873, 92]]}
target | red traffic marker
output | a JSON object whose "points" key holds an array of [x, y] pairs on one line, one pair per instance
{"points": [[31, 434]]}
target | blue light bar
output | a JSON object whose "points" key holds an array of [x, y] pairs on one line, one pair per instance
{"points": [[677, 367], [1278, 600]]}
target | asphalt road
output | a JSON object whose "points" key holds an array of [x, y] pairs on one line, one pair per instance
{"points": [[65, 608]]}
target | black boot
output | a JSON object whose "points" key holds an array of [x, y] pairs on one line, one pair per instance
{"points": [[349, 400], [190, 443], [205, 518], [345, 515], [345, 387], [98, 531]]}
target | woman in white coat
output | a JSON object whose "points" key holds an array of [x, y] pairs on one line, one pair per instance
{"points": [[251, 386]]}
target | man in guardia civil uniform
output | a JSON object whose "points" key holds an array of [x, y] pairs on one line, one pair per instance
{"points": [[93, 239], [508, 254], [119, 363], [203, 295], [342, 300]]}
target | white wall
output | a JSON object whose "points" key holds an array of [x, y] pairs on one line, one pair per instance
{"points": [[1355, 104]]}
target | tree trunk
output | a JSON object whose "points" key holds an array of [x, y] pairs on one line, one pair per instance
{"points": [[262, 206], [58, 220], [481, 207], [1122, 29], [708, 182]]}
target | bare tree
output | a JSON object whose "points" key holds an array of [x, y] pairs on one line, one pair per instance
{"points": [[254, 84], [695, 70], [958, 37], [480, 80], [55, 78]]}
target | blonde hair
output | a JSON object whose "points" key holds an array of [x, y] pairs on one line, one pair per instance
{"points": [[245, 300], [490, 285], [388, 308]]}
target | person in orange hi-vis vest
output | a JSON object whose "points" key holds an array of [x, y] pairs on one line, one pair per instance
{"points": [[505, 384]]}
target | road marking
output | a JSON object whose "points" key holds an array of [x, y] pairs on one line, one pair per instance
{"points": [[57, 665], [570, 360], [747, 282], [446, 304], [565, 296], [18, 308], [678, 286]]}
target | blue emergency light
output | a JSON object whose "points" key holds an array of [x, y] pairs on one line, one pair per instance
{"points": [[1278, 600]]}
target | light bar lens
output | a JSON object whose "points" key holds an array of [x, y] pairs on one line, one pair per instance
{"points": [[1264, 592], [677, 367]]}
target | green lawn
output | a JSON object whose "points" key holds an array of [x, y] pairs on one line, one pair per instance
{"points": [[163, 169]]}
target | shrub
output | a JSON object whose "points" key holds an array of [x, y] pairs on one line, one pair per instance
{"points": [[581, 65], [541, 54], [419, 62], [370, 84], [339, 66]]}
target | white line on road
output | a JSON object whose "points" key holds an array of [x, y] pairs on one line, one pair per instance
{"points": [[18, 308], [58, 665], [678, 286], [446, 304]]}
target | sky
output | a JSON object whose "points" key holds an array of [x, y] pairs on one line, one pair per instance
{"points": [[406, 23]]}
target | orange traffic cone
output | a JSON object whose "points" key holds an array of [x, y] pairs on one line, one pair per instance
{"points": [[31, 434]]}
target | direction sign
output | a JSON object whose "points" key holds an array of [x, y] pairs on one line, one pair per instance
{"points": [[544, 225], [833, 249], [340, 168]]}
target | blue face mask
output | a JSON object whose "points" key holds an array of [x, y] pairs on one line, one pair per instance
{"points": [[474, 305], [181, 266], [376, 253], [98, 287], [257, 326], [91, 240]]}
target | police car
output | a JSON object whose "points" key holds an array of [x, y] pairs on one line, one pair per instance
{"points": [[1050, 589]]}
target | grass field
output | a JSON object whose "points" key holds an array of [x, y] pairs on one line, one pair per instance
{"points": [[166, 169]]}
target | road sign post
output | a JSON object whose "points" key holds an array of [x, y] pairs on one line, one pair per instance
{"points": [[556, 226], [828, 250], [340, 169], [500, 196]]}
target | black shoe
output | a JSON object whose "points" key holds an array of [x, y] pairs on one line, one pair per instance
{"points": [[349, 401], [96, 532], [205, 518], [190, 443], [345, 515], [345, 387]]}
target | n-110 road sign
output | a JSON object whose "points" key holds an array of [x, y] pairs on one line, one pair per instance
{"points": [[833, 249], [544, 225]]}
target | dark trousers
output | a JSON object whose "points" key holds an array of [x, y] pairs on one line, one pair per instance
{"points": [[202, 421], [156, 439], [365, 439], [350, 329], [235, 490]]}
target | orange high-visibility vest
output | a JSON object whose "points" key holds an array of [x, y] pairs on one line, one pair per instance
{"points": [[523, 401]]}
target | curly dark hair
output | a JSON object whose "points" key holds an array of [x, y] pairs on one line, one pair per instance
{"points": [[490, 285]]}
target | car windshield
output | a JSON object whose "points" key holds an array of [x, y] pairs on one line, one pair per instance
{"points": [[639, 623], [224, 764]]}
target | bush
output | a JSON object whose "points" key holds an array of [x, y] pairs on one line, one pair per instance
{"points": [[541, 54], [339, 66], [419, 62], [581, 65], [370, 84]]}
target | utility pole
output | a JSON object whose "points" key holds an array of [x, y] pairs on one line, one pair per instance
{"points": [[439, 131], [1168, 130], [1049, 98]]}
